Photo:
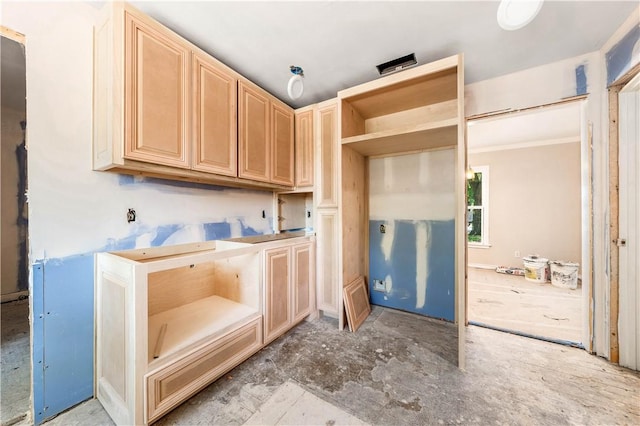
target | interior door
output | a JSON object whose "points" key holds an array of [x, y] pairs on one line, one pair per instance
{"points": [[629, 221]]}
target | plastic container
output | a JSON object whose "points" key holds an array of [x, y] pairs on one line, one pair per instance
{"points": [[536, 269], [564, 274]]}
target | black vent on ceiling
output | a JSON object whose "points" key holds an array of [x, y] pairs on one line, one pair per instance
{"points": [[397, 64]]}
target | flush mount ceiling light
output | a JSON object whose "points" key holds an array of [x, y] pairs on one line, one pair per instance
{"points": [[295, 88], [515, 14]]}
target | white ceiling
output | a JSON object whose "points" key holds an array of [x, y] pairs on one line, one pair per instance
{"points": [[338, 43]]}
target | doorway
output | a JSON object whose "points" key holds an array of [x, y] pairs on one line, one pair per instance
{"points": [[524, 187], [14, 275]]}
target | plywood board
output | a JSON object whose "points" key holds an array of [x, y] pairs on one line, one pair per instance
{"points": [[355, 223], [412, 117], [356, 300], [196, 322], [420, 137], [420, 86]]}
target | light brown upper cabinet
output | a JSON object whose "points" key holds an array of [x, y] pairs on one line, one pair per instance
{"points": [[214, 108], [165, 108], [327, 140], [265, 136], [282, 144], [304, 147], [254, 139], [156, 95]]}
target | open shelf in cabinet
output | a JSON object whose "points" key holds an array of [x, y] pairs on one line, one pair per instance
{"points": [[201, 301], [433, 135], [412, 111], [196, 321], [206, 294]]}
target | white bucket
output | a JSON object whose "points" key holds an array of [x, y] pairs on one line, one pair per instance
{"points": [[564, 274], [536, 269]]}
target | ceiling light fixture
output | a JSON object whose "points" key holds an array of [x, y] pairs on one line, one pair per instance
{"points": [[515, 14], [469, 174], [295, 88]]}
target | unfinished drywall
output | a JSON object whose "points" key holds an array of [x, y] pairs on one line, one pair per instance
{"points": [[623, 55], [14, 215], [75, 211], [535, 86], [534, 204], [411, 232]]}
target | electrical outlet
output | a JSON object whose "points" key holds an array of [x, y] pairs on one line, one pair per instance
{"points": [[378, 285], [517, 253]]}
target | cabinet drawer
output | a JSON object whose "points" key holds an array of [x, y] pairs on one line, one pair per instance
{"points": [[173, 384]]}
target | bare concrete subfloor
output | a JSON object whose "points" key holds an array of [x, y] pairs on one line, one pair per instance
{"points": [[400, 368], [16, 362], [513, 303]]}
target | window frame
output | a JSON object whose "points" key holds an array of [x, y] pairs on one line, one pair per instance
{"points": [[484, 208]]}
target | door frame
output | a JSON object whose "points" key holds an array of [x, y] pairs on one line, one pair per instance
{"points": [[614, 213], [586, 184]]}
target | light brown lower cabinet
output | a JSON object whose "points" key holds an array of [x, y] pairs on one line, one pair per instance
{"points": [[289, 278], [171, 320], [170, 386]]}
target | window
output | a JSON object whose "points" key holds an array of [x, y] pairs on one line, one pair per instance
{"points": [[478, 207]]}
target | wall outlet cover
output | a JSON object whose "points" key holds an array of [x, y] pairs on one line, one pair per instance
{"points": [[378, 285]]}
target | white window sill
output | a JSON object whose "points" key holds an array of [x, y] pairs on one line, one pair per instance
{"points": [[479, 246]]}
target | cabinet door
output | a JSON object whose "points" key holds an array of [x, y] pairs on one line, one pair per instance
{"points": [[282, 144], [156, 95], [304, 148], [214, 107], [327, 261], [253, 134], [303, 280], [277, 312], [327, 152], [172, 385]]}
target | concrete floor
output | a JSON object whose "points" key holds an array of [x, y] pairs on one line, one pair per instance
{"points": [[16, 362], [513, 303], [399, 368]]}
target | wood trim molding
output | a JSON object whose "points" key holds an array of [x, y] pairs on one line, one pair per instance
{"points": [[613, 224], [627, 77], [614, 214], [12, 35], [515, 111]]}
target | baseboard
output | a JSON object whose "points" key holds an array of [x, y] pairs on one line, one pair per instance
{"points": [[481, 266], [10, 297]]}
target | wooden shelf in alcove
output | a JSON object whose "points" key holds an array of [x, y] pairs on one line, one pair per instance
{"points": [[432, 135], [202, 319]]}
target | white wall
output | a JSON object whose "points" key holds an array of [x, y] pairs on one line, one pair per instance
{"points": [[534, 204], [425, 181], [76, 210]]}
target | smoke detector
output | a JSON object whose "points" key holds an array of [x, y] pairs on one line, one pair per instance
{"points": [[398, 64]]}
